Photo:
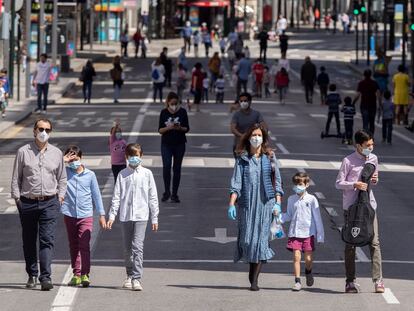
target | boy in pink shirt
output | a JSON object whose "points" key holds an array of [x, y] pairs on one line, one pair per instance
{"points": [[117, 146]]}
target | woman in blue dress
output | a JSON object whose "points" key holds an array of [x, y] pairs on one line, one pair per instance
{"points": [[257, 188]]}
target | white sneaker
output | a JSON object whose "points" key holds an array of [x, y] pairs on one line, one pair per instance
{"points": [[297, 287], [136, 285], [127, 282]]}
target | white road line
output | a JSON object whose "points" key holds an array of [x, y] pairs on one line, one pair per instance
{"points": [[389, 297], [282, 148], [318, 115], [140, 119], [291, 115], [361, 255], [320, 195], [86, 113], [331, 212]]}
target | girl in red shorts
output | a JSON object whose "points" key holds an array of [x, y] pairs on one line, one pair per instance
{"points": [[305, 226]]}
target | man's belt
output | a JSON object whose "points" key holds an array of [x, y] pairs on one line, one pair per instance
{"points": [[40, 198]]}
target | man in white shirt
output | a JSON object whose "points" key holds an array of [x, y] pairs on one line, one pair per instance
{"points": [[41, 82], [281, 24]]}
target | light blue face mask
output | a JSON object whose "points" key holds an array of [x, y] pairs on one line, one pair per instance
{"points": [[74, 165], [299, 189], [367, 151], [134, 161]]}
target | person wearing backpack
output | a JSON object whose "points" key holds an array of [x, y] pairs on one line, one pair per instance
{"points": [[158, 78], [117, 76], [349, 181]]}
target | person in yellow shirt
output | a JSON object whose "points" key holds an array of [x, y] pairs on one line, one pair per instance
{"points": [[401, 83]]}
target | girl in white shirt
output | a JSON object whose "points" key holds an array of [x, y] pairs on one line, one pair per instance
{"points": [[306, 225], [135, 196]]}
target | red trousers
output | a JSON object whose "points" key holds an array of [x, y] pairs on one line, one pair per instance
{"points": [[79, 235]]}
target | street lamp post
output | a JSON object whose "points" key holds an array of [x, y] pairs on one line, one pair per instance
{"points": [[292, 10], [356, 40], [369, 6], [404, 33]]}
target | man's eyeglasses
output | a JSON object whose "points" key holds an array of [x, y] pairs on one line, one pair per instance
{"points": [[41, 129]]}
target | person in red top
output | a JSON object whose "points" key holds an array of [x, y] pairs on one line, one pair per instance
{"points": [[258, 71], [282, 84], [197, 84], [137, 40]]}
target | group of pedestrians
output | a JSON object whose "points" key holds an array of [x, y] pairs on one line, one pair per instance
{"points": [[139, 39]]}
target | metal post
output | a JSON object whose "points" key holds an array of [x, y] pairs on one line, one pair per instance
{"points": [[28, 36], [41, 22], [412, 39], [54, 33], [12, 50], [292, 10], [369, 32], [385, 22], [335, 13], [82, 25], [91, 23], [285, 7], [6, 43], [356, 41], [404, 34], [363, 37]]}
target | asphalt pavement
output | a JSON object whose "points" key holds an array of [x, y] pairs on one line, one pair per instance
{"points": [[188, 263]]}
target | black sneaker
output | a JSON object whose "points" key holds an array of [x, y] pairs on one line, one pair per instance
{"points": [[165, 197], [175, 198], [31, 282], [46, 285], [309, 279], [322, 135]]}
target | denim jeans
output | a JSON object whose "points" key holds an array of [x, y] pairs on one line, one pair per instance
{"points": [[87, 90], [133, 235], [157, 88], [42, 89], [241, 84], [309, 91], [387, 130], [368, 120], [168, 152], [38, 220]]}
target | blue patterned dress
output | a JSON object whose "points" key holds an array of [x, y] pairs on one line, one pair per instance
{"points": [[255, 219]]}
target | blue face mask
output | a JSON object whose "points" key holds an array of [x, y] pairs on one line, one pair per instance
{"points": [[75, 165], [299, 189], [367, 151], [134, 161]]}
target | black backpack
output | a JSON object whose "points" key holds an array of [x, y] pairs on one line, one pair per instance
{"points": [[358, 229]]}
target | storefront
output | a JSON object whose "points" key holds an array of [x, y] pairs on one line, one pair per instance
{"points": [[199, 11], [116, 9]]}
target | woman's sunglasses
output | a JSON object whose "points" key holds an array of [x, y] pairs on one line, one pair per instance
{"points": [[41, 129]]}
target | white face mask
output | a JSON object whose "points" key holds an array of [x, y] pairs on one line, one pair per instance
{"points": [[244, 105], [173, 108], [42, 137], [256, 141]]}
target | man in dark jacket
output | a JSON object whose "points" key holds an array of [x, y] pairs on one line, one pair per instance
{"points": [[263, 36], [283, 41], [308, 78], [167, 63]]}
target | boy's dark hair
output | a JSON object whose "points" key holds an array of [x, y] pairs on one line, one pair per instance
{"points": [[401, 68], [387, 94], [332, 87], [43, 55], [74, 149], [367, 73], [322, 69], [133, 149], [246, 94], [348, 101], [300, 177], [362, 136]]}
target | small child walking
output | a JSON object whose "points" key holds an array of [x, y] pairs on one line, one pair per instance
{"points": [[387, 117], [206, 86], [323, 82], [333, 101], [219, 89], [306, 225], [81, 196], [135, 196], [349, 112]]}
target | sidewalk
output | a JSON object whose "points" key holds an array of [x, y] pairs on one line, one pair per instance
{"points": [[19, 111]]}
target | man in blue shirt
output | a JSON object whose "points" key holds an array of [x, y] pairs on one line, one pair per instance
{"points": [[243, 72], [187, 33]]}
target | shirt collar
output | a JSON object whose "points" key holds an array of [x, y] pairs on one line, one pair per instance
{"points": [[361, 157], [35, 147]]}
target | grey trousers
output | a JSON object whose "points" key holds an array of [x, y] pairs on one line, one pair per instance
{"points": [[375, 252], [133, 233]]}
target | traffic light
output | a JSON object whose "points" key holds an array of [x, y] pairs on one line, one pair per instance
{"points": [[363, 8], [357, 8]]}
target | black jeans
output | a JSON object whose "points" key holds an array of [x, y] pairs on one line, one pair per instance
{"points": [[87, 89], [157, 88], [38, 220], [324, 92], [124, 49], [168, 152], [136, 48], [387, 130], [349, 129], [309, 91], [263, 50], [42, 89], [116, 169], [328, 122], [368, 120]]}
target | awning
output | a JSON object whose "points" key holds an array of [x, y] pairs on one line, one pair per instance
{"points": [[206, 4]]}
